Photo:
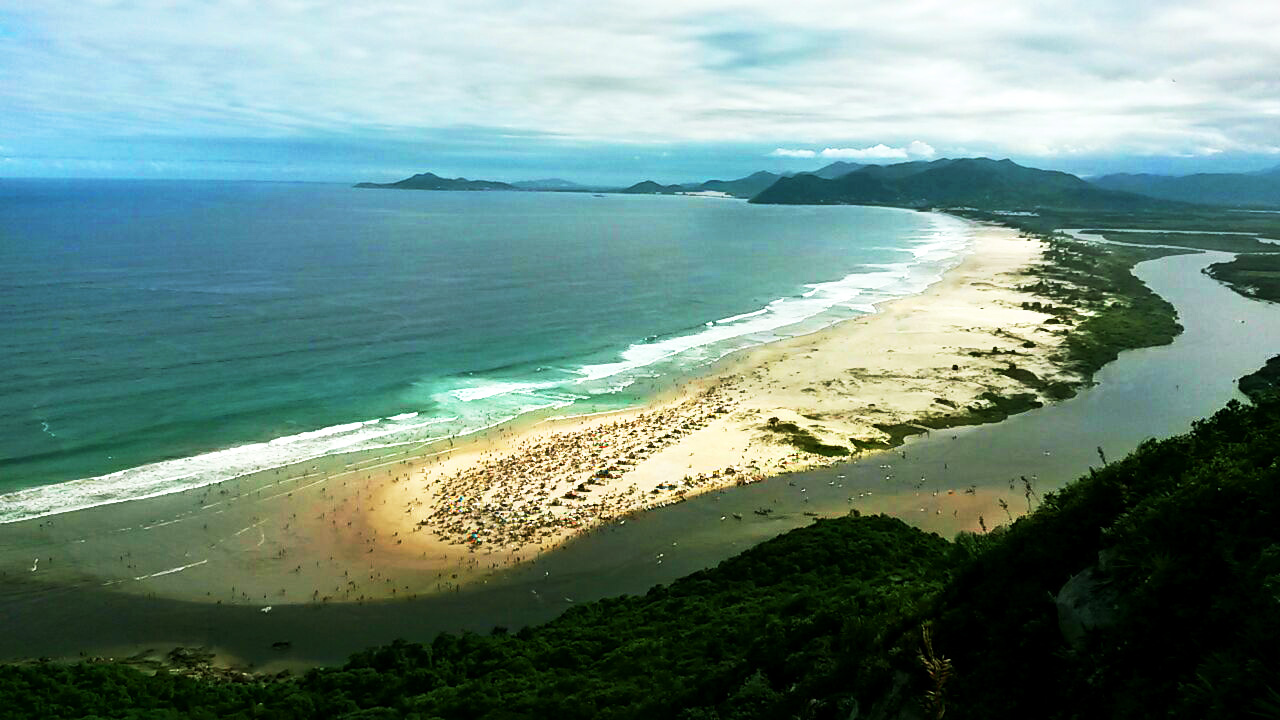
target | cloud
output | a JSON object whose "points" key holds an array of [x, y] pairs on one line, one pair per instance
{"points": [[921, 150], [771, 45], [879, 151], [784, 152], [1023, 79], [875, 152]]}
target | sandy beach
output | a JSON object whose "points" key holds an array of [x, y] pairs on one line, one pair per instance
{"points": [[926, 355], [430, 520]]}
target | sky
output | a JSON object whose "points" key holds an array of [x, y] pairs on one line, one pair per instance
{"points": [[615, 92]]}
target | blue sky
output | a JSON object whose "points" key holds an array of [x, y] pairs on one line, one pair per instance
{"points": [[607, 92]]}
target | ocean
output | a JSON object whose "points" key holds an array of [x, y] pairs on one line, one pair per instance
{"points": [[165, 335]]}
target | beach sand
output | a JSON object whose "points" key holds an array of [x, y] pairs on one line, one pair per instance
{"points": [[925, 355], [355, 529]]}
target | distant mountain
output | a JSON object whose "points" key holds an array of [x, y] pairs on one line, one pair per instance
{"points": [[1258, 189], [966, 182], [745, 187], [836, 169], [548, 184], [429, 181], [649, 187]]}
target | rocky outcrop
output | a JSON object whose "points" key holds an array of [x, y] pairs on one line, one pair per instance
{"points": [[1089, 601]]}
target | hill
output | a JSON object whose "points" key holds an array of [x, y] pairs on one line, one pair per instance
{"points": [[430, 181], [979, 183], [1145, 589], [744, 187], [649, 187], [1260, 189], [836, 169]]}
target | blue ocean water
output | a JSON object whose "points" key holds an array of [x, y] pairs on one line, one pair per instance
{"points": [[166, 335]]}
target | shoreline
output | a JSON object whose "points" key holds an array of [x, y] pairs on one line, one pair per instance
{"points": [[1149, 392], [434, 418], [934, 353], [346, 530]]}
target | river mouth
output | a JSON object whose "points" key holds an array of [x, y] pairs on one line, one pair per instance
{"points": [[1153, 392]]}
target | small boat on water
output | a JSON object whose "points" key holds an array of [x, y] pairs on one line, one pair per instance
{"points": [[763, 511]]}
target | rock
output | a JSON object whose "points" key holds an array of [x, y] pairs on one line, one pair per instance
{"points": [[1087, 602]]}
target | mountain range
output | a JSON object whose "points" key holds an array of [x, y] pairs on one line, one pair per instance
{"points": [[1257, 189], [980, 183], [835, 170], [744, 187]]}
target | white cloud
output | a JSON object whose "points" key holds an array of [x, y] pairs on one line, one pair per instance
{"points": [[783, 152], [875, 152], [1009, 77], [921, 150], [879, 151]]}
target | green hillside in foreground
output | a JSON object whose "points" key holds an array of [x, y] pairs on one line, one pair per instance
{"points": [[1148, 588], [979, 183]]}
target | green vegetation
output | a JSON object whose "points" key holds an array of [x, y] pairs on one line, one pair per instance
{"points": [[897, 432], [993, 408], [990, 408], [757, 636], [1146, 589], [1257, 386], [1108, 310], [803, 439], [649, 187], [1185, 217], [1200, 241], [1119, 311], [1056, 390], [1255, 276], [1181, 544]]}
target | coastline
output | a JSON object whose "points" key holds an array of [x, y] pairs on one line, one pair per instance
{"points": [[346, 531], [1149, 392], [860, 383]]}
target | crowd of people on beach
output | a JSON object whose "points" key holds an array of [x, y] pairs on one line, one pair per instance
{"points": [[566, 481]]}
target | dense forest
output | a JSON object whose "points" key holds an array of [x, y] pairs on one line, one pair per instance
{"points": [[1148, 588]]}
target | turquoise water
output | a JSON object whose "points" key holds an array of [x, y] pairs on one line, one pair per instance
{"points": [[165, 335]]}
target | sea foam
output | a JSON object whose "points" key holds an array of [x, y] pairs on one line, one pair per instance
{"points": [[181, 474], [474, 404]]}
